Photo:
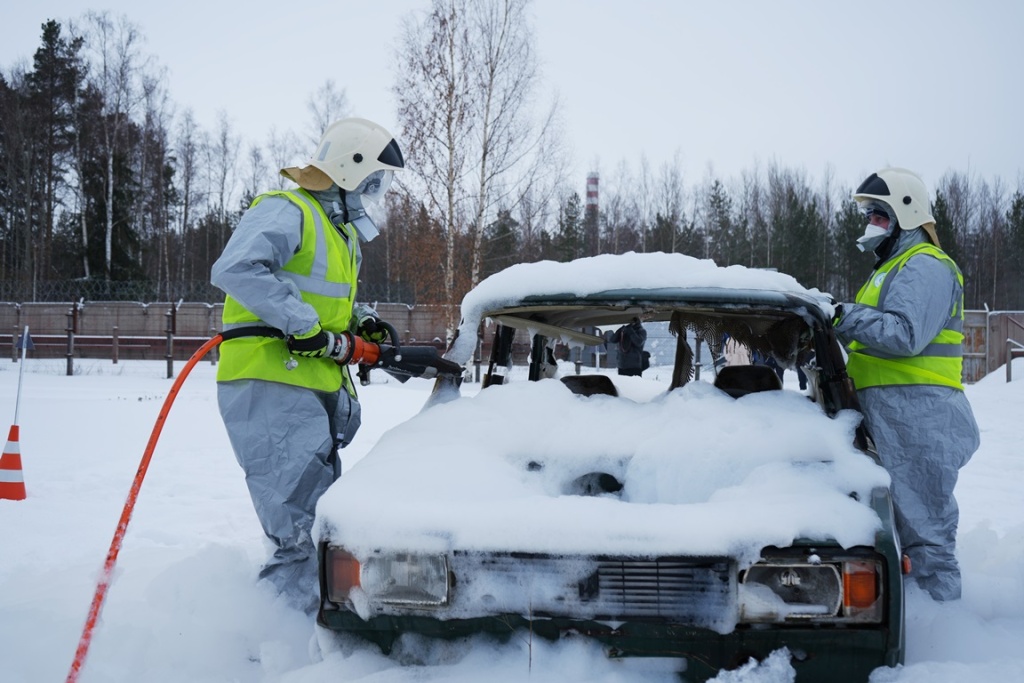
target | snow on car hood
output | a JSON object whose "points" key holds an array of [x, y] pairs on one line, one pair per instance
{"points": [[702, 474]]}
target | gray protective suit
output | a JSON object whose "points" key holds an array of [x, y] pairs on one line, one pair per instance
{"points": [[924, 434], [285, 438]]}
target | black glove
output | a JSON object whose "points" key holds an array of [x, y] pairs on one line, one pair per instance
{"points": [[318, 343], [371, 328], [837, 315]]}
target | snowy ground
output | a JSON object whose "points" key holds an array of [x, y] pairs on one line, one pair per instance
{"points": [[184, 605]]}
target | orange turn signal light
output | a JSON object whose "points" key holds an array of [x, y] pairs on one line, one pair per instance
{"points": [[860, 585], [342, 574]]}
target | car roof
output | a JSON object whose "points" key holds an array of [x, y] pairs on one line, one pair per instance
{"points": [[611, 289]]}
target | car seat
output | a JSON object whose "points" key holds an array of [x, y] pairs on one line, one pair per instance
{"points": [[588, 385], [740, 380]]}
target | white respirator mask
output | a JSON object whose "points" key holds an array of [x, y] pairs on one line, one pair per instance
{"points": [[367, 193], [872, 237]]}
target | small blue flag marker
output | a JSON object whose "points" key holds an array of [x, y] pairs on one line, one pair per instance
{"points": [[25, 341]]}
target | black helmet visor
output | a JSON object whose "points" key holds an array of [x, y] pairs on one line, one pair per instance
{"points": [[873, 185], [392, 156]]}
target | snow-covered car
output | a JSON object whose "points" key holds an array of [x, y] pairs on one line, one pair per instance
{"points": [[703, 512]]}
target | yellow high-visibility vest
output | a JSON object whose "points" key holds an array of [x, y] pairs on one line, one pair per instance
{"points": [[325, 272], [940, 363]]}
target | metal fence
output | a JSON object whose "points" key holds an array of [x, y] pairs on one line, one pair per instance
{"points": [[990, 340], [123, 330], [175, 330]]}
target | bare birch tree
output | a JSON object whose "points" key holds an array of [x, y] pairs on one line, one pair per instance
{"points": [[752, 214], [668, 202], [505, 75], [222, 153], [113, 50], [617, 210], [987, 259], [256, 173], [188, 145], [326, 105], [644, 200], [155, 152], [466, 82], [433, 88], [283, 150], [962, 210]]}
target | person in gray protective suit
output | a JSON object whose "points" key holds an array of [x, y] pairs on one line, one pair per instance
{"points": [[904, 336], [288, 401]]}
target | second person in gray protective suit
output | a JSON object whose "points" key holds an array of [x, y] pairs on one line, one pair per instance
{"points": [[904, 335]]}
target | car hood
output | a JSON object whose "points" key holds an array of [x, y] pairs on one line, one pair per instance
{"points": [[517, 468]]}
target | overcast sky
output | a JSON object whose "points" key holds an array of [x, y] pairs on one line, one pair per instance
{"points": [[932, 85]]}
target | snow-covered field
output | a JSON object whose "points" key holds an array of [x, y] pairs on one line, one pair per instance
{"points": [[184, 604]]}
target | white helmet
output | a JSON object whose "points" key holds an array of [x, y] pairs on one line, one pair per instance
{"points": [[902, 191], [349, 151]]}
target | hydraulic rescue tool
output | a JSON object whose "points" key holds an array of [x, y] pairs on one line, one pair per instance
{"points": [[401, 362]]}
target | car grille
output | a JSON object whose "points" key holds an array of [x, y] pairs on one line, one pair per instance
{"points": [[662, 588], [684, 590]]}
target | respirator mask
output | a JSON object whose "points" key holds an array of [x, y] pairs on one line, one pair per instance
{"points": [[874, 234], [366, 193]]}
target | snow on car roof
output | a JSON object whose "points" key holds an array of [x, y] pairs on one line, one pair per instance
{"points": [[585, 276]]}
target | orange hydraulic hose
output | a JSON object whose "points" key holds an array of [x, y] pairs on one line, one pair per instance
{"points": [[122, 526]]}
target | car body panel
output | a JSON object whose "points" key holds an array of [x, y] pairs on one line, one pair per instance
{"points": [[556, 524]]}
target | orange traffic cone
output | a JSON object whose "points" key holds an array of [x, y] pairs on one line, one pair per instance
{"points": [[12, 481]]}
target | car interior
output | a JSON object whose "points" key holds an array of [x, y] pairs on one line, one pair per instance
{"points": [[770, 333]]}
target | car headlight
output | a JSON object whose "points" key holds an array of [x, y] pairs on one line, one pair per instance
{"points": [[842, 591], [390, 578]]}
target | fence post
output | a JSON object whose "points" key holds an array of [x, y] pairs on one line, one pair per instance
{"points": [[113, 345], [1009, 360], [170, 343], [14, 334], [71, 342]]}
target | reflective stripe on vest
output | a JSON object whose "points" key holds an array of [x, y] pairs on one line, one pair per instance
{"points": [[939, 363], [324, 270]]}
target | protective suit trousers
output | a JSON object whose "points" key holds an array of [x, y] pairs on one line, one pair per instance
{"points": [[286, 440], [924, 435]]}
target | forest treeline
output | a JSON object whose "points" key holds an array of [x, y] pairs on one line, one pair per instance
{"points": [[108, 191]]}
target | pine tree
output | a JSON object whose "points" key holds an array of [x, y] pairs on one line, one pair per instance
{"points": [[1015, 247], [850, 266], [568, 242], [52, 94], [944, 228], [725, 240], [500, 246]]}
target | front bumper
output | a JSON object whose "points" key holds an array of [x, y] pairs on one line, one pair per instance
{"points": [[841, 652], [818, 653]]}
